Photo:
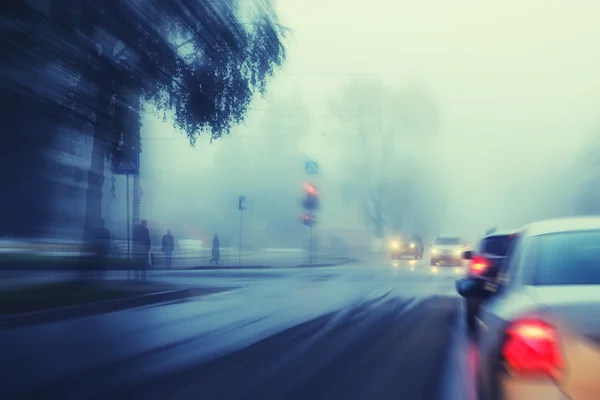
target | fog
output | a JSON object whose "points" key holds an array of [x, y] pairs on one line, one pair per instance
{"points": [[452, 116]]}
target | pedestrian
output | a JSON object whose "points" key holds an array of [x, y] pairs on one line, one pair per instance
{"points": [[101, 248], [141, 249], [419, 243], [216, 255], [168, 245]]}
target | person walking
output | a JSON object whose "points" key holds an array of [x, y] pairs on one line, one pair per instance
{"points": [[419, 241], [216, 255], [168, 245], [141, 248]]}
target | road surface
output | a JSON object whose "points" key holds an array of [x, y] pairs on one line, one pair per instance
{"points": [[372, 330]]}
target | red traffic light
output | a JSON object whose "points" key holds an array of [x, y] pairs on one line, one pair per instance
{"points": [[310, 189], [311, 202], [308, 219]]}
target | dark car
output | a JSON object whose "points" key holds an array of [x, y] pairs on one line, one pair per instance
{"points": [[538, 333], [485, 263], [406, 246]]}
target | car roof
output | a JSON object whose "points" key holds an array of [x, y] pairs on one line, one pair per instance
{"points": [[503, 232], [559, 225]]}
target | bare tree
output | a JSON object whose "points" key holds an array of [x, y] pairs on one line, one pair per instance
{"points": [[265, 163], [387, 123], [587, 175]]}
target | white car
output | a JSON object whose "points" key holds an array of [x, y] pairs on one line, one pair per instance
{"points": [[447, 250], [538, 332]]}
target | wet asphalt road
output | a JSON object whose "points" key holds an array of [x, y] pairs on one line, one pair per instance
{"points": [[372, 330], [376, 350]]}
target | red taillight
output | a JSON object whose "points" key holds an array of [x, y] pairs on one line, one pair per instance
{"points": [[532, 349], [478, 265]]}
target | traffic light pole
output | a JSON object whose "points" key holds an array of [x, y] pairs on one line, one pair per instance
{"points": [[310, 245], [128, 230], [240, 245], [310, 205]]}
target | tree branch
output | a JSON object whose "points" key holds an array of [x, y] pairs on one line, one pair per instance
{"points": [[120, 52], [184, 43]]}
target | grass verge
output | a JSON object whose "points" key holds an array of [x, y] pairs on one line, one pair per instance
{"points": [[64, 294]]}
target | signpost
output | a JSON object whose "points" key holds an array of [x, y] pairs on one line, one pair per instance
{"points": [[128, 163], [241, 207], [128, 228], [310, 220]]}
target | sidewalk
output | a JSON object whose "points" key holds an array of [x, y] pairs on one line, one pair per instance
{"points": [[269, 259], [11, 278], [229, 257]]}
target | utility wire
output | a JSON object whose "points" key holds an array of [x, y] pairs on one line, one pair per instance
{"points": [[272, 136]]}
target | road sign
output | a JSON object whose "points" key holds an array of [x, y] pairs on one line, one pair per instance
{"points": [[242, 203], [127, 165], [311, 167], [125, 168]]}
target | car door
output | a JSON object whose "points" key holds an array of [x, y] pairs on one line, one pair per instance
{"points": [[567, 286]]}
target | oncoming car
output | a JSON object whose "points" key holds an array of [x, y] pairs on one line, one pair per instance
{"points": [[447, 250], [406, 247]]}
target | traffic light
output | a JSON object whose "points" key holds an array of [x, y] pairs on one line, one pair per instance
{"points": [[308, 219], [311, 189], [311, 201]]}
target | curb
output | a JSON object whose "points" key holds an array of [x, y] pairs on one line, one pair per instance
{"points": [[100, 307], [227, 267], [75, 268], [334, 262], [330, 264]]}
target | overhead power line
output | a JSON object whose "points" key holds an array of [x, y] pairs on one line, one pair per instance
{"points": [[270, 135]]}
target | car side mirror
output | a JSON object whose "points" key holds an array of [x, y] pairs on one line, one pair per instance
{"points": [[472, 287], [467, 255]]}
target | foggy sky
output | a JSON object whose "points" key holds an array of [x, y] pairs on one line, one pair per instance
{"points": [[517, 83]]}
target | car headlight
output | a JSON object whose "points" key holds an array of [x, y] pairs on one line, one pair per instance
{"points": [[412, 245], [395, 244], [457, 252], [434, 251]]}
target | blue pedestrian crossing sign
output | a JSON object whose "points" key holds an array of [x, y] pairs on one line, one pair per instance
{"points": [[126, 163], [311, 167]]}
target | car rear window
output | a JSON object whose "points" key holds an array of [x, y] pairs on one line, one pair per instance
{"points": [[569, 259], [496, 245], [447, 241]]}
